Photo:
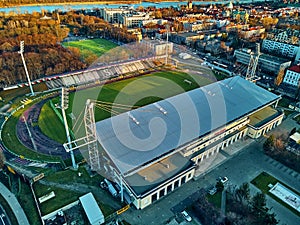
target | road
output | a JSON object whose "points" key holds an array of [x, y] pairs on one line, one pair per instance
{"points": [[240, 168], [14, 205], [4, 220]]}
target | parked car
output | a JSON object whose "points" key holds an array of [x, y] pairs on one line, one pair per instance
{"points": [[212, 190], [223, 179], [186, 216]]}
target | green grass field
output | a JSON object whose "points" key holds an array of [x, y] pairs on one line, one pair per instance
{"points": [[66, 196], [263, 180], [12, 142], [96, 46], [137, 91]]}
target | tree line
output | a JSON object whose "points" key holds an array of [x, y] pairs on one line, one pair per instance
{"points": [[35, 2], [43, 34]]}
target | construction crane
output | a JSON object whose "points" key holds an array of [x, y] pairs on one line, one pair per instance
{"points": [[252, 66]]}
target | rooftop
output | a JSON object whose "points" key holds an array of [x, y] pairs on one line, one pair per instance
{"points": [[295, 137], [91, 208], [295, 68], [148, 134], [263, 116], [157, 173]]}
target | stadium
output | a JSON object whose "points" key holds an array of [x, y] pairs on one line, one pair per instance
{"points": [[150, 151]]}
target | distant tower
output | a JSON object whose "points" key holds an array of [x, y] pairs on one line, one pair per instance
{"points": [[230, 7], [250, 75], [190, 4], [58, 18]]}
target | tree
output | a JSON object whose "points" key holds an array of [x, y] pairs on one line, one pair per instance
{"points": [[219, 186], [293, 131], [258, 206], [269, 143], [243, 192], [2, 159], [270, 219]]}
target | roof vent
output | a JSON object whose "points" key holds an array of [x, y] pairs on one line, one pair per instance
{"points": [[161, 109], [133, 119]]}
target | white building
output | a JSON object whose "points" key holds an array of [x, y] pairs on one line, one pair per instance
{"points": [[134, 19], [160, 47], [268, 63], [112, 15], [292, 76], [151, 151]]}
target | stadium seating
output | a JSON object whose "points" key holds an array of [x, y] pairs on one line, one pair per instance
{"points": [[101, 73]]}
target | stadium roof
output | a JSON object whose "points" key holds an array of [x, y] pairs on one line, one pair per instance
{"points": [[147, 134]]}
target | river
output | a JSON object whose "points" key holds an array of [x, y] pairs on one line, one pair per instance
{"points": [[67, 7]]}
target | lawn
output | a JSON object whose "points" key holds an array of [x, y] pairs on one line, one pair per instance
{"points": [[215, 199], [263, 180], [62, 197], [65, 196], [27, 202], [96, 46], [69, 176], [137, 91], [12, 142], [53, 130]]}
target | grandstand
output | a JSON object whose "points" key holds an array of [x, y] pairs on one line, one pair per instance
{"points": [[150, 151], [103, 73]]}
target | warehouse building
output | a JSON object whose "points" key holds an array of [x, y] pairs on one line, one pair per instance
{"points": [[152, 150]]}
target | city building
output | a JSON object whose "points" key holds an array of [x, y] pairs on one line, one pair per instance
{"points": [[159, 47], [280, 48], [153, 150], [185, 38], [292, 76], [133, 19], [252, 32], [112, 15], [267, 63]]}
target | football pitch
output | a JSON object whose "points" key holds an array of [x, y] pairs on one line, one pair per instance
{"points": [[133, 92], [96, 46]]}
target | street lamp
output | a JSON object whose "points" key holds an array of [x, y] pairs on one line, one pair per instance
{"points": [[64, 105], [25, 67], [1, 217]]}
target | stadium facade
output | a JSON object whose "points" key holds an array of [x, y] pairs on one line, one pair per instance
{"points": [[152, 150]]}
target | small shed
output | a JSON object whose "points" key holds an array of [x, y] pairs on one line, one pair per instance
{"points": [[91, 209]]}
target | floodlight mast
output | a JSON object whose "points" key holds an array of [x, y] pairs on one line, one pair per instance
{"points": [[64, 106], [167, 45], [25, 67]]}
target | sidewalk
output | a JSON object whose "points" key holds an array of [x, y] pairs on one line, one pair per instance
{"points": [[218, 159], [14, 205]]}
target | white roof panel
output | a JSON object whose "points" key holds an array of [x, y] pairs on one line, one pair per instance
{"points": [[91, 208]]}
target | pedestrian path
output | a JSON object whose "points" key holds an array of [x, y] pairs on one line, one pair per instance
{"points": [[14, 205]]}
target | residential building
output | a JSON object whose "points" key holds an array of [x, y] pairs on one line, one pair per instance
{"points": [[112, 15], [280, 48], [292, 76], [267, 63], [133, 19], [159, 47]]}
